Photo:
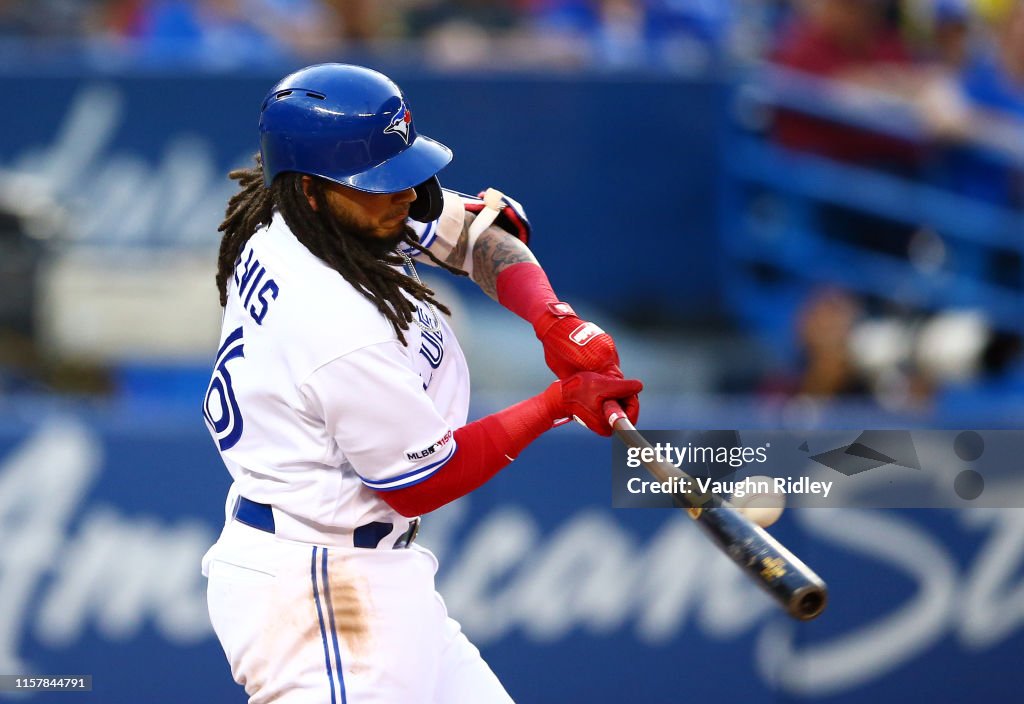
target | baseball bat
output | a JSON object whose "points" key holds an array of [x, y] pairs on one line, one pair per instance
{"points": [[791, 583]]}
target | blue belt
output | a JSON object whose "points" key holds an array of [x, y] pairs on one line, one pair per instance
{"points": [[261, 517]]}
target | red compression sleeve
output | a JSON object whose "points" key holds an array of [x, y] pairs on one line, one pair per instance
{"points": [[525, 290], [483, 448]]}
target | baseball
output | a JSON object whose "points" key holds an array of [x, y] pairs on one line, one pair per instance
{"points": [[764, 505]]}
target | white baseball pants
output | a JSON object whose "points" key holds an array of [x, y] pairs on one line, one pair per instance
{"points": [[304, 624]]}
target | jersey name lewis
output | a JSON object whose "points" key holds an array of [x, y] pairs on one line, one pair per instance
{"points": [[252, 278]]}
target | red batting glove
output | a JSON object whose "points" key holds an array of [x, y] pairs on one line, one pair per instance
{"points": [[583, 394], [570, 344]]}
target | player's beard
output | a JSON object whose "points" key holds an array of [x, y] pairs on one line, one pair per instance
{"points": [[377, 246]]}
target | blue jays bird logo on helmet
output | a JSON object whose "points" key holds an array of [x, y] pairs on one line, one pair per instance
{"points": [[400, 123]]}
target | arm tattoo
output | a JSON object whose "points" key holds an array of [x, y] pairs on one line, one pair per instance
{"points": [[494, 251]]}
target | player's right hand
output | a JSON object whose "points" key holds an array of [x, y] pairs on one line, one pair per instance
{"points": [[583, 394]]}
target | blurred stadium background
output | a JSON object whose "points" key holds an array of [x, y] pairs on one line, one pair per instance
{"points": [[802, 213]]}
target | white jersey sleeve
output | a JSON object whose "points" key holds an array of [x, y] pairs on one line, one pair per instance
{"points": [[441, 235], [382, 420]]}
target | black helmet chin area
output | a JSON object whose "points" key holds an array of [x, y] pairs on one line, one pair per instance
{"points": [[429, 201]]}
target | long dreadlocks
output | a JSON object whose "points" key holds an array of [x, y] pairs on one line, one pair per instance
{"points": [[252, 208]]}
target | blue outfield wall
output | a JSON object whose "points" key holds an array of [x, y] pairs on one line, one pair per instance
{"points": [[616, 172], [105, 515]]}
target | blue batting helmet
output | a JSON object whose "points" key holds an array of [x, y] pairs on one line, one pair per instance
{"points": [[350, 125]]}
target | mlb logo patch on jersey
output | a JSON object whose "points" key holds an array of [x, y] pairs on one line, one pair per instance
{"points": [[428, 451]]}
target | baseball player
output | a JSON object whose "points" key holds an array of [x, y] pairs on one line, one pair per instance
{"points": [[339, 397]]}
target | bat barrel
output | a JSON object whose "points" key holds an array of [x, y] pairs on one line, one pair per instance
{"points": [[780, 573], [792, 584]]}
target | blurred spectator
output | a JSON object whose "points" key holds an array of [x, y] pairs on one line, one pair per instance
{"points": [[494, 16], [951, 31], [20, 258], [993, 82], [898, 359], [824, 327], [361, 21], [856, 47], [939, 30], [62, 19], [681, 34], [994, 77], [825, 366], [755, 25], [30, 217], [913, 358], [119, 18], [226, 33], [16, 19], [993, 11], [845, 40], [461, 32]]}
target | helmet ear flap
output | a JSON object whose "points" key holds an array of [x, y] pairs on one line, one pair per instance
{"points": [[429, 201]]}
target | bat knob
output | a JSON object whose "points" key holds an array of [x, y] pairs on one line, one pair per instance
{"points": [[808, 603]]}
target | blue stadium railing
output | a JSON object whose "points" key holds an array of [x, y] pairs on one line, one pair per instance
{"points": [[771, 198]]}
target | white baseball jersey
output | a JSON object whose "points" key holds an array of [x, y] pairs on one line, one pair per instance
{"points": [[314, 403], [316, 407]]}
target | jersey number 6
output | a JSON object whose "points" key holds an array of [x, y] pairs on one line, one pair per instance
{"points": [[220, 407]]}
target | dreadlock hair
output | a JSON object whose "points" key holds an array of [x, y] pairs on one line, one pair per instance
{"points": [[252, 207]]}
